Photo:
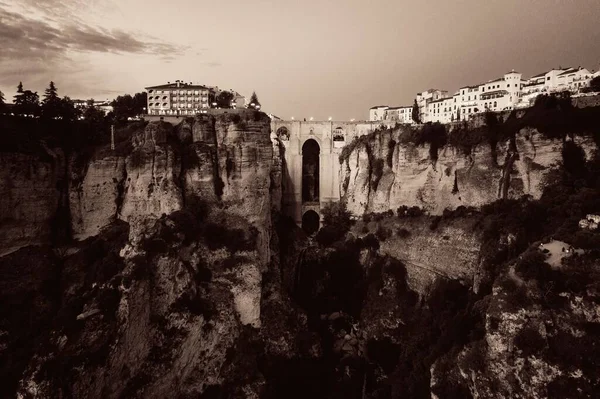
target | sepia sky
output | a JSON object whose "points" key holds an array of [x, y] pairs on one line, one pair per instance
{"points": [[303, 58]]}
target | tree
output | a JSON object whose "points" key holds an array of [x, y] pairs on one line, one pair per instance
{"points": [[415, 112], [593, 86], [67, 110], [51, 104], [458, 114], [254, 103], [19, 93], [93, 114], [2, 103], [126, 106], [224, 99], [27, 102]]}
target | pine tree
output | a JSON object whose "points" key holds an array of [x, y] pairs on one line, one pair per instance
{"points": [[51, 102], [415, 112], [254, 103], [18, 97], [50, 94], [2, 103]]}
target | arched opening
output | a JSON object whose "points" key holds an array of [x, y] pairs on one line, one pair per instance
{"points": [[283, 134], [310, 171], [310, 221]]}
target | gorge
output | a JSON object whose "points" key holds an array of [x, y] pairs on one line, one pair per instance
{"points": [[173, 265]]}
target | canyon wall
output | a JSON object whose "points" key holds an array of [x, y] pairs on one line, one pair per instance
{"points": [[30, 187], [225, 159], [159, 302], [383, 172]]}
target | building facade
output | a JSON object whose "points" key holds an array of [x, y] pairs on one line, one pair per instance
{"points": [[508, 92], [425, 97], [178, 98], [377, 113]]}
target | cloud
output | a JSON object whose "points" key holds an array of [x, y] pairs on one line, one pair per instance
{"points": [[22, 35], [47, 40]]}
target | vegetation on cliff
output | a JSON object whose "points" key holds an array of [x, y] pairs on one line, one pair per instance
{"points": [[553, 116]]}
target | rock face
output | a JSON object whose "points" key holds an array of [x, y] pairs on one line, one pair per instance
{"points": [[451, 250], [536, 344], [157, 306], [29, 197], [383, 173]]}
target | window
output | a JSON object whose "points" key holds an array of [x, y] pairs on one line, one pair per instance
{"points": [[548, 78], [150, 91]]}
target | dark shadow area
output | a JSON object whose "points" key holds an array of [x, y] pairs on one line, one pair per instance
{"points": [[310, 171], [310, 222]]}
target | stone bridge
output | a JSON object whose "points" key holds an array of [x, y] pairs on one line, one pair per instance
{"points": [[311, 173]]}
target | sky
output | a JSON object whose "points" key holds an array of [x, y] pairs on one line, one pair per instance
{"points": [[310, 58]]}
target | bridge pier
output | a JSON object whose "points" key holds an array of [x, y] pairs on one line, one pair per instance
{"points": [[331, 137]]}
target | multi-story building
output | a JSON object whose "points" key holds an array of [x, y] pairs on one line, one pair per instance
{"points": [[505, 93], [377, 113], [103, 105], [178, 98], [441, 110], [573, 79], [425, 97], [402, 114]]}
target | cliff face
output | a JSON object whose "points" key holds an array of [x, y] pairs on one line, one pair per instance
{"points": [[450, 249], [383, 173], [540, 341], [157, 304], [29, 198]]}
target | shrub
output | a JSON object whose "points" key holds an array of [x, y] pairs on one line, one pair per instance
{"points": [[413, 211], [530, 341], [435, 222], [217, 236], [336, 214], [382, 233], [330, 234], [403, 233], [370, 241], [532, 265]]}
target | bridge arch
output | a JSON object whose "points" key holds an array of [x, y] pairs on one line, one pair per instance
{"points": [[311, 152], [310, 221]]}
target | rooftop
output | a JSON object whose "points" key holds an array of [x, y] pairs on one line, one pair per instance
{"points": [[570, 70], [489, 93], [379, 106], [176, 85], [440, 100]]}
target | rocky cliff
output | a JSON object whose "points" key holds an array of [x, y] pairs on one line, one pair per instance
{"points": [[158, 305], [385, 171]]}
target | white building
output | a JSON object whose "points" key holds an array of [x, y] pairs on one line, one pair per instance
{"points": [[573, 79], [377, 113], [402, 114], [178, 98], [441, 110], [425, 97]]}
